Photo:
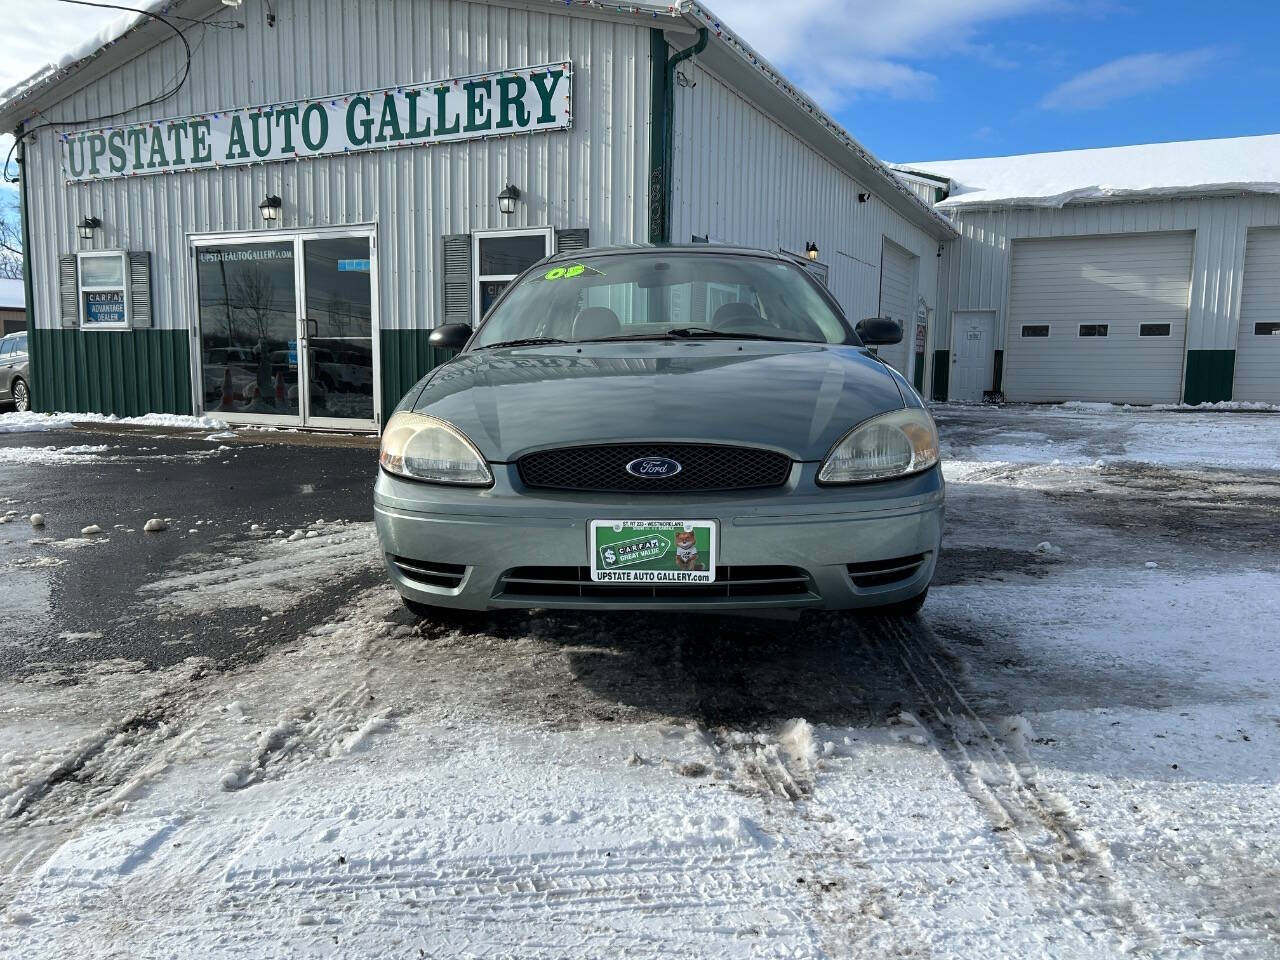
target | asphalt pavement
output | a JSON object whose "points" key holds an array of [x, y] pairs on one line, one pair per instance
{"points": [[69, 597]]}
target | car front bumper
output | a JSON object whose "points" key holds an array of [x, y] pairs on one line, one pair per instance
{"points": [[795, 546]]}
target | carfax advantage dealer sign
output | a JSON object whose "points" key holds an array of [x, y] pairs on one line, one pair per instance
{"points": [[523, 100]]}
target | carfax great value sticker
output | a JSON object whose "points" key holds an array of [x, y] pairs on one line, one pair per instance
{"points": [[653, 551]]}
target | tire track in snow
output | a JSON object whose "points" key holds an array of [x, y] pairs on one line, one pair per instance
{"points": [[1063, 859]]}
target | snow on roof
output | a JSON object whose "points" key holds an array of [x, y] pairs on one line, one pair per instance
{"points": [[121, 25], [1242, 164], [12, 295]]}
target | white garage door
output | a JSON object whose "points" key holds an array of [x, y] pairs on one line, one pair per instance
{"points": [[1258, 345], [1098, 318], [897, 300]]}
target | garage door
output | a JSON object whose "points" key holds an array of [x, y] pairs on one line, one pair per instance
{"points": [[1098, 318], [897, 299], [1258, 345]]}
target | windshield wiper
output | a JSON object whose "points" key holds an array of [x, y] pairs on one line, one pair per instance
{"points": [[524, 342], [698, 333]]}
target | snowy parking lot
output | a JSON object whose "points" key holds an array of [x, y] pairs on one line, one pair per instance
{"points": [[228, 738]]}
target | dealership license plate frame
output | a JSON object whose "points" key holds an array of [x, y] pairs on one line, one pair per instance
{"points": [[642, 572]]}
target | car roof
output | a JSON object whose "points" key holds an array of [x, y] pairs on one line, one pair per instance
{"points": [[657, 249]]}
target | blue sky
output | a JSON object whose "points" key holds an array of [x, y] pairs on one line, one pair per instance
{"points": [[943, 79]]}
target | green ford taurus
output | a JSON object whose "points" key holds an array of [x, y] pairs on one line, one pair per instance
{"points": [[662, 428]]}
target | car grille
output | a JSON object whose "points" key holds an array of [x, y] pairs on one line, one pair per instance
{"points": [[446, 576], [705, 467], [732, 583], [885, 573]]}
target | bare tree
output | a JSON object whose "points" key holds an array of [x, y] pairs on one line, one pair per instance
{"points": [[10, 238]]}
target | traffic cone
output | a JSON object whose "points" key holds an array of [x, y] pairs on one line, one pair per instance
{"points": [[280, 397], [227, 401]]}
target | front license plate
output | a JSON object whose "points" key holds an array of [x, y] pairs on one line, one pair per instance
{"points": [[653, 551]]}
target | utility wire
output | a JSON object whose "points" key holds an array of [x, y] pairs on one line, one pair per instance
{"points": [[159, 98]]}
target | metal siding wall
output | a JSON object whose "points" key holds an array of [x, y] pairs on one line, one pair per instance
{"points": [[594, 175], [740, 177], [976, 267]]}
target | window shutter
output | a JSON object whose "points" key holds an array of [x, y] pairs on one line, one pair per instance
{"points": [[140, 289], [569, 240], [68, 291], [456, 289]]}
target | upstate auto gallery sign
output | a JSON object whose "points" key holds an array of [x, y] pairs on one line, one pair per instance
{"points": [[524, 100]]}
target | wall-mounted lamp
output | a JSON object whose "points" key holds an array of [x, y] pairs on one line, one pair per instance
{"points": [[811, 250], [941, 247], [864, 197], [87, 226], [508, 199], [270, 209]]}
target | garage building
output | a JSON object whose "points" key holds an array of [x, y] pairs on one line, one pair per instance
{"points": [[272, 239], [1145, 275]]}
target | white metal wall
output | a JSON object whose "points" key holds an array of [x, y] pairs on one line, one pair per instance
{"points": [[740, 176], [592, 176], [1258, 354], [898, 272], [975, 268], [1122, 282]]}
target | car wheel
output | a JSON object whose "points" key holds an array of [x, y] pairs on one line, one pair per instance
{"points": [[21, 396], [903, 608], [420, 610]]}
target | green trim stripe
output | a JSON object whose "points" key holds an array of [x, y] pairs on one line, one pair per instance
{"points": [[1210, 376], [941, 374], [125, 373], [407, 357]]}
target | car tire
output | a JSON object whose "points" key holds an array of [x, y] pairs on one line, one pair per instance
{"points": [[903, 608], [21, 395], [419, 610]]}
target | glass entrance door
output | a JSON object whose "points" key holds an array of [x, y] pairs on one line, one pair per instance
{"points": [[248, 319], [288, 328], [337, 334]]}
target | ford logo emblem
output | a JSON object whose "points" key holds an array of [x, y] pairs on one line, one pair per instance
{"points": [[656, 468]]}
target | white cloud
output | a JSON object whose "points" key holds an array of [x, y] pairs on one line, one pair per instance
{"points": [[838, 49], [1128, 77]]}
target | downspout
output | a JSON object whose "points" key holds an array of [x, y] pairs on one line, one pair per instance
{"points": [[668, 124], [28, 281]]}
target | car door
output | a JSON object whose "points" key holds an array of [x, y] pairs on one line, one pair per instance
{"points": [[7, 357]]}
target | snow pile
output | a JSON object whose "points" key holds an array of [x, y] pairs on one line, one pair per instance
{"points": [[53, 456], [1157, 169], [37, 422]]}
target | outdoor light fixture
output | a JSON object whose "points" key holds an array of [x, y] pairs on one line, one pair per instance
{"points": [[270, 209], [87, 226], [508, 198], [864, 197], [811, 250]]}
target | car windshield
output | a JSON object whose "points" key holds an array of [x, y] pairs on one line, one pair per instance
{"points": [[664, 295]]}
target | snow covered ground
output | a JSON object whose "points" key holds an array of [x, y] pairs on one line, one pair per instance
{"points": [[1074, 752]]}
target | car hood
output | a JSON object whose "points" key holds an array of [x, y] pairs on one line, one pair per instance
{"points": [[796, 398]]}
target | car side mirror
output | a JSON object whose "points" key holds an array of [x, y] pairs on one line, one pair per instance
{"points": [[450, 336], [879, 331]]}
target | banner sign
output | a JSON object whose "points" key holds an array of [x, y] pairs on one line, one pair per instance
{"points": [[524, 100]]}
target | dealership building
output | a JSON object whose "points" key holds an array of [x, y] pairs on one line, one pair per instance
{"points": [[1145, 275], [262, 219]]}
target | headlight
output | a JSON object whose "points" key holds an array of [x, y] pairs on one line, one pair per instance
{"points": [[891, 445], [424, 448]]}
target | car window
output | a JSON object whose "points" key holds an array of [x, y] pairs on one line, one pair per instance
{"points": [[6, 348], [645, 295], [20, 343]]}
